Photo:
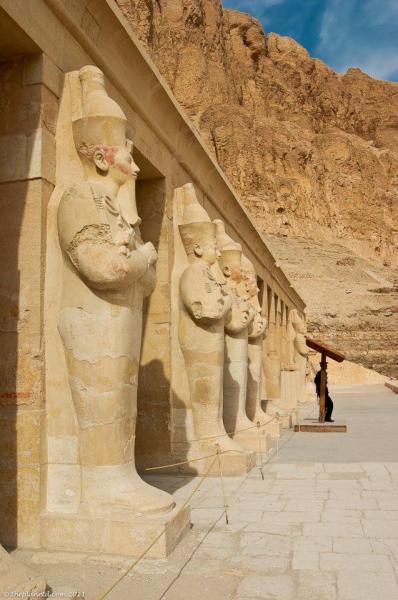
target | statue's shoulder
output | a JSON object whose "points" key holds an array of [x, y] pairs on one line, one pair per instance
{"points": [[196, 270], [76, 192], [76, 212]]}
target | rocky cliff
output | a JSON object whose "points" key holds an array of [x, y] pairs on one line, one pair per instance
{"points": [[312, 153]]}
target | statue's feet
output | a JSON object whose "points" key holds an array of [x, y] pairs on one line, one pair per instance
{"points": [[273, 409], [262, 417], [224, 444], [118, 488]]}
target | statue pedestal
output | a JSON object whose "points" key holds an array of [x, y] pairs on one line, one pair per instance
{"points": [[233, 464], [114, 533]]}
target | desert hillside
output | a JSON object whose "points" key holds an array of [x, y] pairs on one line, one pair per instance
{"points": [[312, 153]]}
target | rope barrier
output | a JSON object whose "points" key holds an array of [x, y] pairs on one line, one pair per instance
{"points": [[224, 495], [145, 552], [216, 456], [260, 449], [186, 462]]}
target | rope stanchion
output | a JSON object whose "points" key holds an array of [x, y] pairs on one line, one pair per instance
{"points": [[224, 495], [145, 552], [260, 449]]}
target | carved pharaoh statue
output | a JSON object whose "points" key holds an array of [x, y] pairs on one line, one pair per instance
{"points": [[255, 346], [204, 306], [301, 352], [237, 325], [107, 272]]}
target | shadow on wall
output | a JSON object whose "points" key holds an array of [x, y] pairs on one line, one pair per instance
{"points": [[20, 285], [153, 430]]}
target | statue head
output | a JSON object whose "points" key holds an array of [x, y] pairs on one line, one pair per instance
{"points": [[197, 232], [297, 322], [250, 279], [99, 131], [230, 254]]}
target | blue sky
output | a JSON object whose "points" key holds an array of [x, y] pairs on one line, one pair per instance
{"points": [[343, 33]]}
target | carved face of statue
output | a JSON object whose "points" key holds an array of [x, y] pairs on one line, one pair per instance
{"points": [[207, 251], [117, 162]]}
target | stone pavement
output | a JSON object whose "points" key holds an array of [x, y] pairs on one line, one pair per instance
{"points": [[311, 530]]}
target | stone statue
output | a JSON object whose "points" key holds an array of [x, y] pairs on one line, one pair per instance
{"points": [[204, 306], [301, 352], [272, 368], [108, 271], [237, 326], [255, 348]]}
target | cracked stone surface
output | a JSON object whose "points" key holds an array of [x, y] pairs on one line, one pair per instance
{"points": [[309, 531]]}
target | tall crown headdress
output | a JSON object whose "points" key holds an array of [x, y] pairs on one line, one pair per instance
{"points": [[196, 227], [97, 118], [231, 252]]}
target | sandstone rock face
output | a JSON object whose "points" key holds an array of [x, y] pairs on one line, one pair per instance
{"points": [[312, 153]]}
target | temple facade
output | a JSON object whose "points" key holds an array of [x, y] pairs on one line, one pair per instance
{"points": [[143, 318]]}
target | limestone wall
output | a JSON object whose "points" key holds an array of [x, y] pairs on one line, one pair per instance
{"points": [[27, 170], [39, 462]]}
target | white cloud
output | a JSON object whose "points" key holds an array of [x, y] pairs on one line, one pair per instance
{"points": [[360, 33]]}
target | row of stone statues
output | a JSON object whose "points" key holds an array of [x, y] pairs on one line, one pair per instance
{"points": [[107, 272], [221, 333]]}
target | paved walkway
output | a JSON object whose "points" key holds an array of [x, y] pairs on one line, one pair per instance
{"points": [[322, 525]]}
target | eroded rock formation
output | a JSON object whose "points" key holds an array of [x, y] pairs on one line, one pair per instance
{"points": [[313, 153]]}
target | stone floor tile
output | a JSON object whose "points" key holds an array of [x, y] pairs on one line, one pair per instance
{"points": [[316, 585], [262, 564], [374, 468], [263, 544], [304, 504], [242, 514], [304, 559], [390, 503], [342, 467], [313, 543], [295, 516], [269, 525], [196, 588], [352, 545], [366, 586], [354, 503], [341, 515], [377, 528], [273, 505], [333, 529], [266, 587], [385, 515], [376, 563]]}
